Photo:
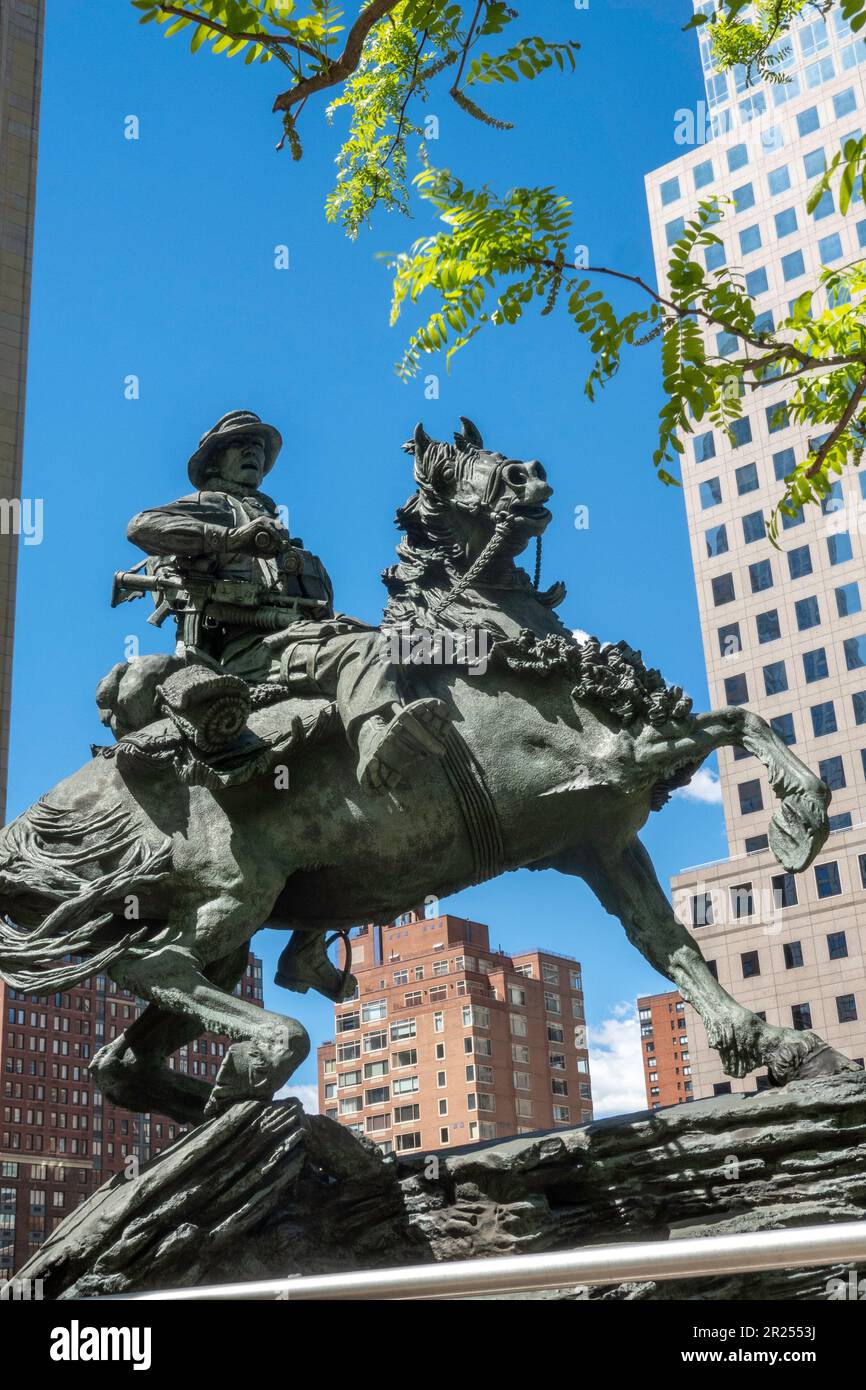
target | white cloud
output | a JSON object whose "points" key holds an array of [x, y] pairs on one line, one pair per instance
{"points": [[615, 1063], [579, 635], [704, 787], [307, 1095]]}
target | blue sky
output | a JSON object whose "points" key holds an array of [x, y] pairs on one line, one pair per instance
{"points": [[155, 257]]}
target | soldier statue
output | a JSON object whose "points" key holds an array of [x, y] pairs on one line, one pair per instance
{"points": [[251, 603]]}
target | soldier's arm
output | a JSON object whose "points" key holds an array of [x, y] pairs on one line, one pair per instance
{"points": [[182, 529], [178, 529]]}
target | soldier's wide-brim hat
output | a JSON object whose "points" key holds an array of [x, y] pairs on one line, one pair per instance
{"points": [[236, 424]]}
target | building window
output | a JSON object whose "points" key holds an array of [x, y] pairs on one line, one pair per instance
{"points": [[756, 282], [670, 191], [736, 690], [807, 613], [779, 180], [702, 910], [751, 799], [829, 247], [767, 626], [827, 880], [855, 652], [756, 843], [799, 562], [801, 1017], [784, 890], [741, 432], [705, 447], [674, 230], [729, 640], [786, 222], [716, 541], [405, 1142], [793, 265], [710, 493], [815, 665], [402, 1029], [793, 954], [837, 942], [847, 598], [760, 576], [742, 901], [832, 771], [750, 963], [846, 1008], [823, 719], [775, 678], [703, 173], [746, 478], [844, 103], [777, 418]]}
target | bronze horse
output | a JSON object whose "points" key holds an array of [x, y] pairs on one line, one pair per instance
{"points": [[558, 752]]}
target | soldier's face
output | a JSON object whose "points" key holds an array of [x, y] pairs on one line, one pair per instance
{"points": [[242, 461]]}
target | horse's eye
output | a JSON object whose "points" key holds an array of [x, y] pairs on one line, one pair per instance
{"points": [[448, 473], [516, 475]]}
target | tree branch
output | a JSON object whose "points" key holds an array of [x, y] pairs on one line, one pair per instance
{"points": [[839, 428], [471, 30], [777, 349], [345, 65], [240, 34]]}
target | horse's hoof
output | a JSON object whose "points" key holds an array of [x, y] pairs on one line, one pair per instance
{"points": [[823, 1061], [257, 1068], [797, 831]]}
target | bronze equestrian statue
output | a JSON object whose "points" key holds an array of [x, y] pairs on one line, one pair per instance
{"points": [[284, 767]]}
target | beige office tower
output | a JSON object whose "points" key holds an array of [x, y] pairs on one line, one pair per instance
{"points": [[21, 26], [784, 631]]}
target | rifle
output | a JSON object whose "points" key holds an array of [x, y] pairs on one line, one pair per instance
{"points": [[192, 598]]}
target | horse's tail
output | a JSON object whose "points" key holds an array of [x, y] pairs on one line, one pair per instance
{"points": [[68, 884]]}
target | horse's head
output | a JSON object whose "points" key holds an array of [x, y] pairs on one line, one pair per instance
{"points": [[466, 493]]}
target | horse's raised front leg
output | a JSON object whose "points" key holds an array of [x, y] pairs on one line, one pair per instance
{"points": [[626, 885], [799, 826]]}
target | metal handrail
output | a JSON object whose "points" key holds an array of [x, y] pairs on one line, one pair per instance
{"points": [[695, 1257]]}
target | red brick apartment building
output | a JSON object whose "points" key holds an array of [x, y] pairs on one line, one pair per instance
{"points": [[59, 1141], [664, 1045], [448, 1042]]}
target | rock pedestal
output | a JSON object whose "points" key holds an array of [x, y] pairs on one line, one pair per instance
{"points": [[265, 1191]]}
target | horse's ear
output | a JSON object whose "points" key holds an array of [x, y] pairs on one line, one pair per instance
{"points": [[418, 443], [470, 435]]}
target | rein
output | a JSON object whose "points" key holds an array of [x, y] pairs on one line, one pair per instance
{"points": [[488, 554]]}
